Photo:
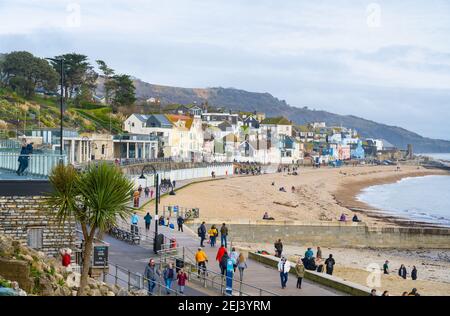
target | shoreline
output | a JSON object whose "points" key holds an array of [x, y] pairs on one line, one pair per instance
{"points": [[346, 196]]}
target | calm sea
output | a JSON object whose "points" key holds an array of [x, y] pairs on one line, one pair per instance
{"points": [[425, 199], [444, 156]]}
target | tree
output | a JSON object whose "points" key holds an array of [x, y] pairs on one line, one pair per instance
{"points": [[23, 72], [95, 199], [78, 74], [108, 74], [124, 91]]}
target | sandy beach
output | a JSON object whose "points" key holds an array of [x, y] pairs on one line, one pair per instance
{"points": [[319, 194]]}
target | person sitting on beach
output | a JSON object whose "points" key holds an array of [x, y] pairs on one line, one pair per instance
{"points": [[267, 218], [293, 189], [356, 219], [273, 184], [414, 292], [343, 218], [282, 189]]}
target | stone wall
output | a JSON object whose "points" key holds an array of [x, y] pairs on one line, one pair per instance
{"points": [[337, 235], [18, 214]]}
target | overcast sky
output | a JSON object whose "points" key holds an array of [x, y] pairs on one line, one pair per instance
{"points": [[388, 61]]}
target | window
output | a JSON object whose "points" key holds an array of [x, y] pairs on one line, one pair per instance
{"points": [[103, 149], [35, 238]]}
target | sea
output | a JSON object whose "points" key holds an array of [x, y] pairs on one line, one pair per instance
{"points": [[423, 199]]}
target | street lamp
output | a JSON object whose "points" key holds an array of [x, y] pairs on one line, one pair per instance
{"points": [[61, 101], [157, 198]]}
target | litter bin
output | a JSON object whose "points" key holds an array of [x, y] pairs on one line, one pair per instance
{"points": [[179, 264], [158, 242]]}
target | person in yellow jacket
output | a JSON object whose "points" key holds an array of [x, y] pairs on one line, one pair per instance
{"points": [[201, 259], [213, 233]]}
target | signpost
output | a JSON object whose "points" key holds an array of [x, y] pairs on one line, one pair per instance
{"points": [[229, 278], [100, 256]]}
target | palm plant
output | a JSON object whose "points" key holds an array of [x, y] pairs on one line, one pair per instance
{"points": [[95, 199]]}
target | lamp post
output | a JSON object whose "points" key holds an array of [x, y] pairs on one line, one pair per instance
{"points": [[157, 198], [61, 102]]}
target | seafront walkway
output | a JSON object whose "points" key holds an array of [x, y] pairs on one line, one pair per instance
{"points": [[257, 274]]}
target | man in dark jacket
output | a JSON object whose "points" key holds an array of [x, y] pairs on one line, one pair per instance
{"points": [[414, 273], [223, 235], [329, 263], [278, 248], [150, 274], [402, 271], [202, 233], [180, 222], [223, 263]]}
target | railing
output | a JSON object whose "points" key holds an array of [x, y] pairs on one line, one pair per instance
{"points": [[38, 165], [125, 278], [207, 278]]}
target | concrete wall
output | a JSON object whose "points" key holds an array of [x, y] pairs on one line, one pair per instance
{"points": [[320, 278], [336, 235], [20, 213]]}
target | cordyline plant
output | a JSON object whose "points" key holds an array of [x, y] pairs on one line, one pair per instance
{"points": [[95, 198]]}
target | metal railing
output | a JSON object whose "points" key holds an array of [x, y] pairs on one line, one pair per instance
{"points": [[122, 277], [38, 165], [207, 278]]}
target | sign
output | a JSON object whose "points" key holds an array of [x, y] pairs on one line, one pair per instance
{"points": [[100, 256], [229, 275]]}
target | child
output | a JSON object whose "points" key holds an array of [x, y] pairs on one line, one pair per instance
{"points": [[182, 278]]}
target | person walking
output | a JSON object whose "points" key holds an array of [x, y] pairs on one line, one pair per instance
{"points": [[148, 221], [150, 274], [300, 270], [414, 273], [222, 250], [140, 190], [174, 184], [386, 267], [182, 277], [223, 263], [146, 192], [319, 253], [284, 267], [242, 265], [134, 223], [202, 233], [136, 196], [180, 222], [151, 194], [201, 259], [213, 233], [402, 271], [169, 275], [278, 248], [223, 235], [234, 258], [329, 263]]}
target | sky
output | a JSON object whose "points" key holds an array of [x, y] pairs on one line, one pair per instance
{"points": [[387, 61]]}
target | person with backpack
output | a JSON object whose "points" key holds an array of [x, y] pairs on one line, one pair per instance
{"points": [[202, 233], [169, 275], [224, 235], [213, 233], [223, 263], [220, 253], [234, 258], [329, 264]]}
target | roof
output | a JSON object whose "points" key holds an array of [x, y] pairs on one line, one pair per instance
{"points": [[174, 118], [161, 118], [276, 121], [141, 117]]}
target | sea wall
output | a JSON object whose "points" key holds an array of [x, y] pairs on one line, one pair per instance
{"points": [[340, 235]]}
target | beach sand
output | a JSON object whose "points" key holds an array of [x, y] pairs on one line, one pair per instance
{"points": [[318, 192], [351, 264]]}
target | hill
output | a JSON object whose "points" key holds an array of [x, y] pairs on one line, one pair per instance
{"points": [[235, 99]]}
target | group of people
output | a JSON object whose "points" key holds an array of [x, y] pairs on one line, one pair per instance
{"points": [[402, 272], [169, 274], [413, 292], [308, 262], [213, 233], [355, 218], [238, 260]]}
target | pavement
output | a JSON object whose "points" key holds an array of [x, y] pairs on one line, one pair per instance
{"points": [[257, 274]]}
